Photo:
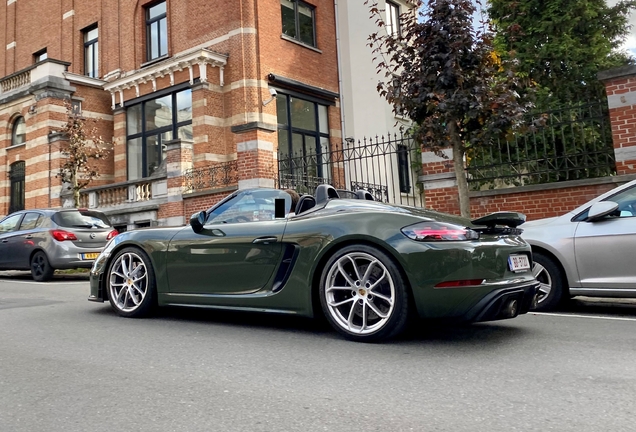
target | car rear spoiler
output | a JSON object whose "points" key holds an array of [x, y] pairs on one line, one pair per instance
{"points": [[500, 223]]}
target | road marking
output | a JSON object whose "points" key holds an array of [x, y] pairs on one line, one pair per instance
{"points": [[583, 316]]}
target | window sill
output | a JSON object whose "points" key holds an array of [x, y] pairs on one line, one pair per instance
{"points": [[154, 61], [16, 146], [302, 44]]}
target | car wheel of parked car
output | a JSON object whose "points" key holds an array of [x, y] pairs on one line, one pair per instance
{"points": [[551, 279], [363, 294], [41, 270], [131, 283]]}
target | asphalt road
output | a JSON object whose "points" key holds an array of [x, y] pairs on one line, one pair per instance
{"points": [[70, 365]]}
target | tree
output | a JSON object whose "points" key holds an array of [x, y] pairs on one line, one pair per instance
{"points": [[562, 44], [447, 78], [82, 152]]}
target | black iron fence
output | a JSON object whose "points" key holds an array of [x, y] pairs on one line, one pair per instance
{"points": [[387, 167], [218, 175], [570, 143]]}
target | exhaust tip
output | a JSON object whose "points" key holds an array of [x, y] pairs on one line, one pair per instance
{"points": [[512, 308], [535, 301]]}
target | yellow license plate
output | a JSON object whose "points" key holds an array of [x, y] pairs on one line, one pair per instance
{"points": [[91, 255]]}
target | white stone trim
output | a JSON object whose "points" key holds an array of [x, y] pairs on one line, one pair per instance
{"points": [[624, 154], [256, 183], [430, 157], [10, 45], [255, 145], [68, 14], [10, 1], [213, 157], [84, 80], [439, 184]]}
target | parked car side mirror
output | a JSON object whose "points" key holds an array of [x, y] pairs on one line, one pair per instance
{"points": [[600, 210], [197, 221]]}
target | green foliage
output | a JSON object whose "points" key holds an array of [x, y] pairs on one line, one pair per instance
{"points": [[561, 45], [82, 152], [448, 79]]}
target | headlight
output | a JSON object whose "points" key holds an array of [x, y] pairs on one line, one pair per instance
{"points": [[439, 231]]}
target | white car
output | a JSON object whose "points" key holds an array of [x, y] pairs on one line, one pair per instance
{"points": [[590, 251]]}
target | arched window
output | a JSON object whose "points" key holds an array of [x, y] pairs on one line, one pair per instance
{"points": [[18, 135]]}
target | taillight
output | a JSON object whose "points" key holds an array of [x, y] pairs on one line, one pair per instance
{"points": [[61, 235], [439, 231], [112, 234], [460, 283]]}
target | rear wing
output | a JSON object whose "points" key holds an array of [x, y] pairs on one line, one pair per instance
{"points": [[500, 223]]}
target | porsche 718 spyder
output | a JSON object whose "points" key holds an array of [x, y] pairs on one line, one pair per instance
{"points": [[366, 266]]}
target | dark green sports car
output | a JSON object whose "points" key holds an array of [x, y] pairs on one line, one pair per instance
{"points": [[365, 265]]}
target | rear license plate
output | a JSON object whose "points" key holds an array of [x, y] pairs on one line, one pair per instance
{"points": [[92, 255], [518, 263]]}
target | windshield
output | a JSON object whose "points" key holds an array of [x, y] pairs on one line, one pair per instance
{"points": [[249, 206], [81, 219]]}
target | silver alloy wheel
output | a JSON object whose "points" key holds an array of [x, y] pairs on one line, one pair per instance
{"points": [[545, 281], [360, 293], [128, 282]]}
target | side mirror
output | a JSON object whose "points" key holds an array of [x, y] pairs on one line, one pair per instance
{"points": [[601, 209], [197, 221]]}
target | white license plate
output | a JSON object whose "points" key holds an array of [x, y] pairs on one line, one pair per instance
{"points": [[518, 263], [89, 256]]}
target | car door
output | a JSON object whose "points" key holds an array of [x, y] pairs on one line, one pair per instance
{"points": [[8, 235], [606, 249], [237, 251], [23, 243]]}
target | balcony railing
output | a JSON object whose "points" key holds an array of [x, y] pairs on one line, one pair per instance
{"points": [[123, 193], [214, 176], [31, 74]]}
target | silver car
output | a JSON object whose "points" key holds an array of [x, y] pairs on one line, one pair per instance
{"points": [[49, 239], [590, 251]]}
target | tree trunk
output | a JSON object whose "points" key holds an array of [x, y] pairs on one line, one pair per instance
{"points": [[76, 191], [460, 172]]}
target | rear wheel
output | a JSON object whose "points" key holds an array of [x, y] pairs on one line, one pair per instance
{"points": [[131, 283], [41, 270], [550, 277], [363, 294]]}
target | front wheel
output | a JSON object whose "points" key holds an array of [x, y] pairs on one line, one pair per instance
{"points": [[131, 283], [551, 280], [363, 294]]}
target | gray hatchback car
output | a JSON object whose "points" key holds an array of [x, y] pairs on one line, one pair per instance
{"points": [[48, 239]]}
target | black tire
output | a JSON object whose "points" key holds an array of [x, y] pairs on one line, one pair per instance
{"points": [[359, 294], [549, 274], [131, 287], [41, 270]]}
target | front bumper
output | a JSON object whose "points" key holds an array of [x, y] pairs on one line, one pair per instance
{"points": [[97, 292], [504, 303]]}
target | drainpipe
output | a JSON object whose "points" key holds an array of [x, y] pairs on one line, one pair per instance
{"points": [[340, 91]]}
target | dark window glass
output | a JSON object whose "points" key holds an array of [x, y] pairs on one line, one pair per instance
{"points": [[392, 19], [91, 53], [10, 223], [156, 31], [298, 21], [303, 140], [40, 56], [150, 124], [18, 133], [30, 221], [404, 169], [16, 180], [81, 219]]}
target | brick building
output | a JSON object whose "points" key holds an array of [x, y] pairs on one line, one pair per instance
{"points": [[175, 85]]}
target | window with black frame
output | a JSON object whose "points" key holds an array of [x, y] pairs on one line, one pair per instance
{"points": [[18, 132], [299, 21], [303, 141], [392, 19], [16, 186], [156, 31], [152, 122], [404, 171], [91, 52]]}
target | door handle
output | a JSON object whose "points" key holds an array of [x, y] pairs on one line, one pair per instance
{"points": [[265, 240], [5, 241], [28, 237]]}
